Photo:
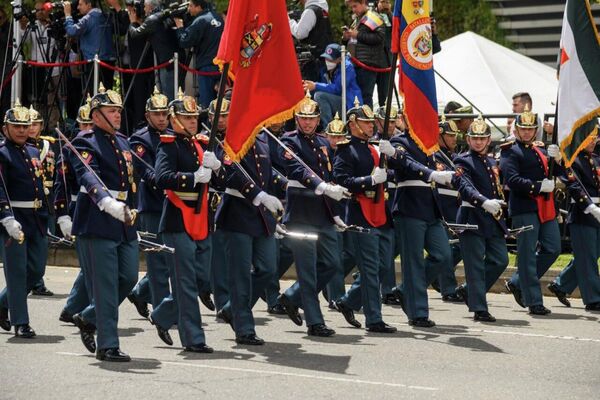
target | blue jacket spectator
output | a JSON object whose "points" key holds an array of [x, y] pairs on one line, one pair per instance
{"points": [[94, 31], [328, 92], [204, 35]]}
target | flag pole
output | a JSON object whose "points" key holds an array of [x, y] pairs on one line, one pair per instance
{"points": [[386, 120], [212, 139]]}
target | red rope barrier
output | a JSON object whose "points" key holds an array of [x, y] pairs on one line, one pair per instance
{"points": [[57, 64], [132, 70], [196, 72], [7, 79], [368, 67]]}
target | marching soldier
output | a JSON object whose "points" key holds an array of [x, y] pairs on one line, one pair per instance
{"points": [[66, 190], [310, 208], [104, 224], [525, 168], [285, 258], [24, 219], [154, 287], [219, 281], [583, 183], [484, 250], [335, 289], [387, 275], [247, 219], [446, 279], [44, 145], [183, 169], [356, 167], [419, 220]]}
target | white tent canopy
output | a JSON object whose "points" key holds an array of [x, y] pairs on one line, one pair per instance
{"points": [[488, 74]]}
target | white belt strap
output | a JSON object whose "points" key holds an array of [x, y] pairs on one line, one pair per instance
{"points": [[595, 200], [187, 196], [448, 192], [392, 185], [114, 193], [467, 204], [234, 193], [296, 184], [26, 204], [413, 183], [73, 197]]}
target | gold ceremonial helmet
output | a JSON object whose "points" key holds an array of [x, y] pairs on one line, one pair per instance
{"points": [[393, 112], [335, 127], [83, 115], [526, 119], [183, 105], [225, 105], [157, 101], [34, 115], [105, 98], [479, 128], [307, 107], [360, 113], [448, 127], [18, 115]]}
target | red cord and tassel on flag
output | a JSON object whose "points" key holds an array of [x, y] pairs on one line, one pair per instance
{"points": [[257, 44], [411, 40]]}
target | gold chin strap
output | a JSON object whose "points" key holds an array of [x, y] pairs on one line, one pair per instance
{"points": [[360, 131], [187, 133]]}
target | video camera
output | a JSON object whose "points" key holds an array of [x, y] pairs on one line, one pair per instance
{"points": [[176, 10], [20, 11], [138, 7], [304, 52]]}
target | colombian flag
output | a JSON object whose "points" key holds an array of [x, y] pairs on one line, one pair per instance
{"points": [[257, 44], [411, 40]]}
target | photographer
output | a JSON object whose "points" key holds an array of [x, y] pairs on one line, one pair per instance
{"points": [[43, 49], [204, 35], [312, 29], [94, 30], [157, 30]]}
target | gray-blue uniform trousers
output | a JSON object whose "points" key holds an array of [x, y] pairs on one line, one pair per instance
{"points": [[176, 161], [249, 232], [154, 287], [47, 157], [584, 228], [523, 171], [418, 217], [24, 263], [285, 258], [347, 252], [308, 212], [449, 206], [109, 247], [352, 169], [485, 254], [66, 190]]}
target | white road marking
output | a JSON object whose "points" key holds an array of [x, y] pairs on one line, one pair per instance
{"points": [[281, 373]]}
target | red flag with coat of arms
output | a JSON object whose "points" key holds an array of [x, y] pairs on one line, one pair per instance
{"points": [[257, 44]]}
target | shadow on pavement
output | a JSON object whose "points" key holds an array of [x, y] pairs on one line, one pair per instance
{"points": [[39, 339], [474, 344], [127, 332], [217, 355], [141, 366]]}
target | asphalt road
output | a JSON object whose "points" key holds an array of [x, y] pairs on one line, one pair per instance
{"points": [[519, 357]]}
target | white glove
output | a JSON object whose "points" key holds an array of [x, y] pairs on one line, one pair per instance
{"points": [[114, 208], [336, 192], [340, 225], [66, 225], [442, 177], [209, 160], [554, 152], [202, 175], [594, 210], [271, 203], [547, 186], [385, 147], [279, 232], [13, 228], [379, 176], [493, 206]]}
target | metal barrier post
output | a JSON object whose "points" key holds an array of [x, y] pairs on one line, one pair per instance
{"points": [[175, 74], [343, 84], [96, 74]]}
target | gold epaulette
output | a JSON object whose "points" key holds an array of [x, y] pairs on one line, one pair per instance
{"points": [[507, 145], [538, 143], [202, 138], [343, 142]]}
